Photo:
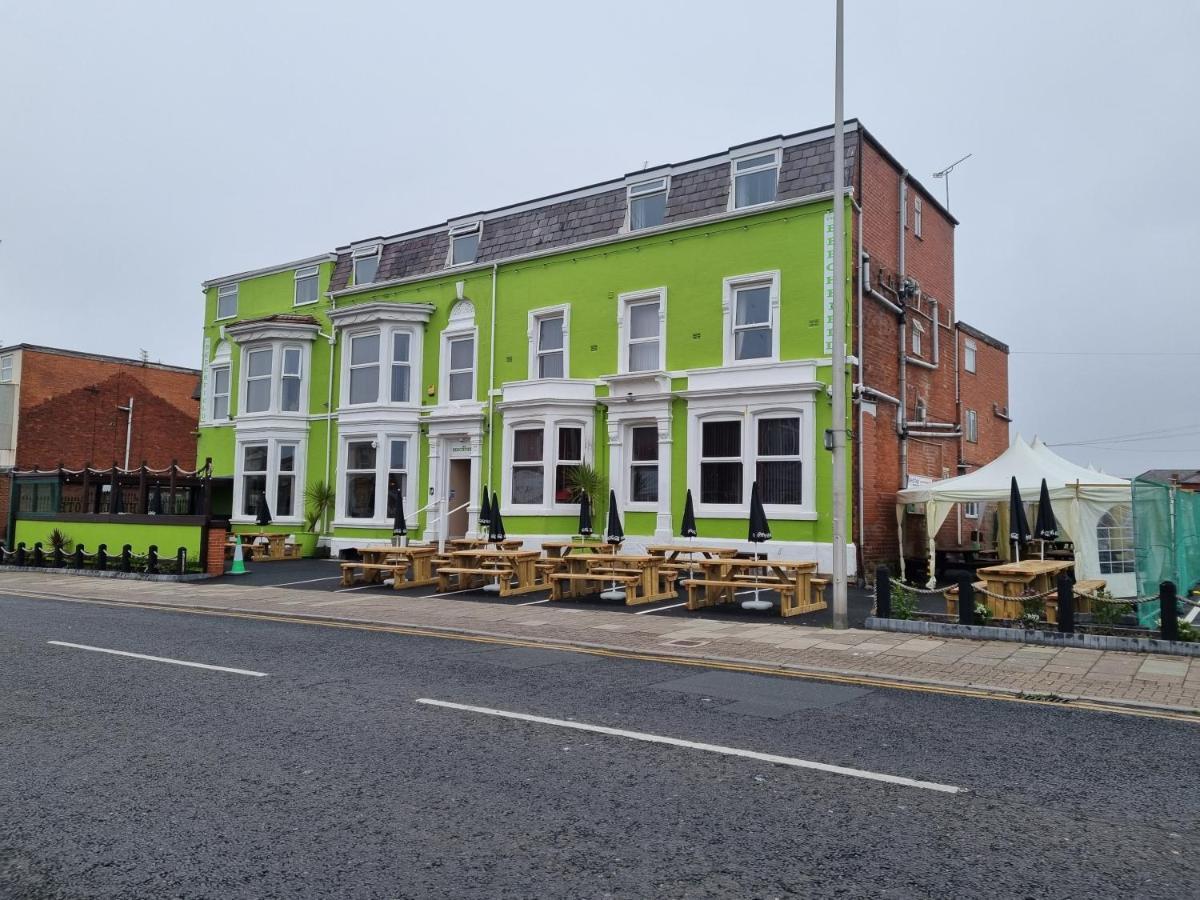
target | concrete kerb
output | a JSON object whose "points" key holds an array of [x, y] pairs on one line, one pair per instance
{"points": [[1044, 638], [110, 573], [673, 655]]}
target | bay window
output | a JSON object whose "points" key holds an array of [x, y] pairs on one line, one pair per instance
{"points": [[397, 477], [375, 472], [364, 368], [289, 380], [570, 458], [254, 476], [643, 464], [721, 462], [528, 470], [541, 454], [285, 481], [401, 374]]}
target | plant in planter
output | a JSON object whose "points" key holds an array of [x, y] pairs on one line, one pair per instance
{"points": [[318, 500], [1188, 633], [1032, 608], [585, 479], [1107, 611], [983, 614], [904, 600], [59, 541]]}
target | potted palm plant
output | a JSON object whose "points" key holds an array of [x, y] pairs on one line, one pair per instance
{"points": [[318, 509], [586, 479]]}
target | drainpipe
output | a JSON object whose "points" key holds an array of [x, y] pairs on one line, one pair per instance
{"points": [[958, 417], [902, 418], [128, 429], [492, 385], [332, 338], [862, 528]]}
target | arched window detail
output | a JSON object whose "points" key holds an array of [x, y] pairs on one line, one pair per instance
{"points": [[1114, 540]]}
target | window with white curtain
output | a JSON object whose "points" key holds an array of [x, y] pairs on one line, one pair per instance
{"points": [[258, 380], [972, 426], [366, 264], [644, 342], [289, 380], [401, 374], [285, 480], [643, 464], [778, 465], [755, 179], [721, 461], [969, 350], [971, 510], [220, 393], [364, 368], [306, 286], [550, 335], [227, 301], [460, 370], [360, 479], [647, 204], [752, 337], [528, 466]]}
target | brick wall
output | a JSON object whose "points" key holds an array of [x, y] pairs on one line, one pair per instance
{"points": [[214, 562], [929, 261]]}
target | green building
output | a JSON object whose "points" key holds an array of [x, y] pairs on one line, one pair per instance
{"points": [[671, 328]]}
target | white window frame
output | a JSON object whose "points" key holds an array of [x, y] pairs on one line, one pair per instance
{"points": [[461, 231], [447, 337], [348, 365], [228, 395], [775, 162], [971, 510], [382, 438], [630, 464], [224, 292], [304, 274], [277, 348], [284, 350], [917, 215], [917, 331], [647, 188], [361, 253], [970, 355], [536, 317], [269, 378], [730, 286], [624, 303], [413, 383], [745, 409], [786, 457], [549, 420], [971, 426], [272, 441], [6, 368]]}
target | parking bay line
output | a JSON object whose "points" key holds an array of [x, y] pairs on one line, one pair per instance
{"points": [[162, 659], [306, 581], [693, 745]]}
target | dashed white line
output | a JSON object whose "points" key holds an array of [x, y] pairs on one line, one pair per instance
{"points": [[306, 581], [693, 745], [534, 602], [161, 659], [646, 612]]}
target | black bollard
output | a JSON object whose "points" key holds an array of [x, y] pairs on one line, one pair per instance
{"points": [[1169, 610], [102, 558], [126, 562], [57, 555], [39, 558], [966, 600], [1066, 604], [152, 560], [77, 563], [181, 561], [883, 592], [21, 553]]}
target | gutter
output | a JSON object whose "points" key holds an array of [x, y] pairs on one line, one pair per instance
{"points": [[332, 339], [492, 384]]}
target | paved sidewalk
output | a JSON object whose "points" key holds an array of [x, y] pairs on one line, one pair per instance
{"points": [[1146, 680]]}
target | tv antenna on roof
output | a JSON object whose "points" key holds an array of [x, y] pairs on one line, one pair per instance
{"points": [[945, 173]]}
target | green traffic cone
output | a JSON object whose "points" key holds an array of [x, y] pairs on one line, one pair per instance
{"points": [[239, 564]]}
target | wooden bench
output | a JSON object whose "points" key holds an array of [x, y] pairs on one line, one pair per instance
{"points": [[696, 589], [1090, 586], [371, 573], [559, 579], [816, 601], [501, 573]]}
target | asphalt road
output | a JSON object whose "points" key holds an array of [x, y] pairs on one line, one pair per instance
{"points": [[134, 778]]}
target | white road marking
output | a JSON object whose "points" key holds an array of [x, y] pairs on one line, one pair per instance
{"points": [[361, 587], [306, 581], [646, 612], [693, 745], [534, 602], [447, 594], [162, 659]]}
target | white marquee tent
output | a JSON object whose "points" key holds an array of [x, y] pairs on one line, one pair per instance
{"points": [[1091, 507]]}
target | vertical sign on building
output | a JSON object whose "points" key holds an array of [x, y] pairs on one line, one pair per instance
{"points": [[205, 387], [828, 270]]}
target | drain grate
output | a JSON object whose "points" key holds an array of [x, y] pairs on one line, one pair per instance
{"points": [[686, 642]]}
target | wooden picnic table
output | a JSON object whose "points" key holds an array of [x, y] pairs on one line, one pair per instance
{"points": [[1014, 579], [672, 552], [643, 577], [419, 559], [515, 571], [722, 578], [274, 542], [472, 543], [559, 549]]}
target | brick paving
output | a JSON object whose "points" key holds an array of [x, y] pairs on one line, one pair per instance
{"points": [[1166, 682]]}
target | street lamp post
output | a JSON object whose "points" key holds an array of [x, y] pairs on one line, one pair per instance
{"points": [[840, 619]]}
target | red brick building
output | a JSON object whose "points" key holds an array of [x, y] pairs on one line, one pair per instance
{"points": [[931, 391], [63, 407]]}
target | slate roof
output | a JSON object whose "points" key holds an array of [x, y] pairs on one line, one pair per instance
{"points": [[550, 224]]}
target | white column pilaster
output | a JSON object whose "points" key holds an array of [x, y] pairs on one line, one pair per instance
{"points": [[663, 528]]}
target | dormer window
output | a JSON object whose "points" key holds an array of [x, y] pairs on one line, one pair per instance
{"points": [[755, 179], [366, 264], [464, 243], [647, 204]]}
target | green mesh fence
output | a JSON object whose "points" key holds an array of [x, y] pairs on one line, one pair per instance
{"points": [[1166, 523]]}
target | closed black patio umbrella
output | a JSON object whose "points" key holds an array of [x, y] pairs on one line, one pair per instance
{"points": [[495, 523], [485, 511], [262, 512], [1045, 526], [1018, 524], [760, 532], [614, 535], [687, 528], [156, 506], [399, 521], [585, 515]]}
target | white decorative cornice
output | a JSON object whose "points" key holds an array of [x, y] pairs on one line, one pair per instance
{"points": [[381, 311]]}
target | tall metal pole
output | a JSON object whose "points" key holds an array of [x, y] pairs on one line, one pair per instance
{"points": [[840, 619]]}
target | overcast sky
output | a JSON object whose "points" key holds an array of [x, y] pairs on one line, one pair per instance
{"points": [[147, 146]]}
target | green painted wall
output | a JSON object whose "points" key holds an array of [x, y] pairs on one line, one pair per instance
{"points": [[168, 538], [691, 264]]}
